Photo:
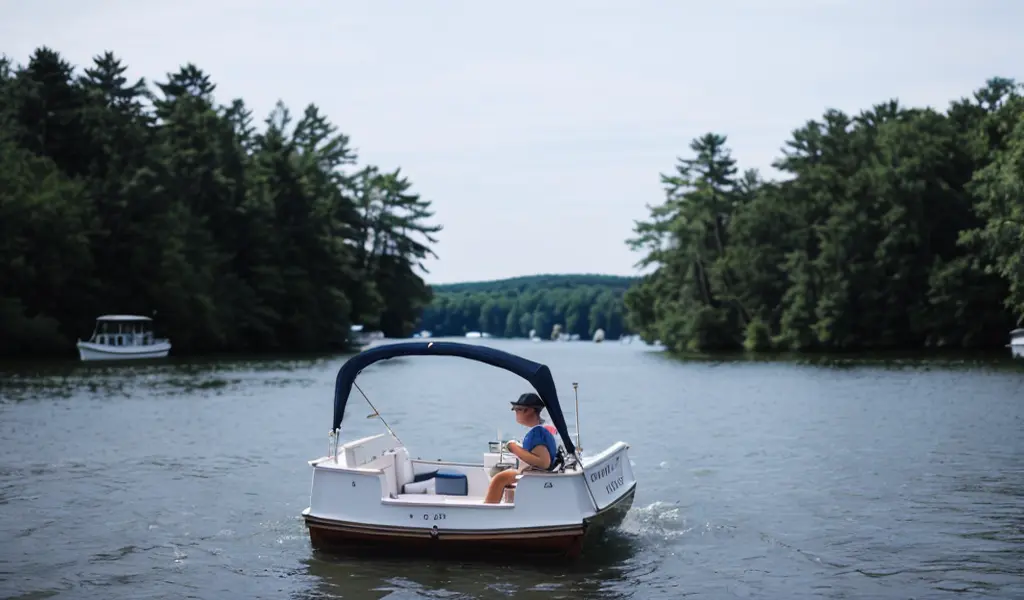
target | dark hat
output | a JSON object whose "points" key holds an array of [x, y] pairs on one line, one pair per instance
{"points": [[529, 399]]}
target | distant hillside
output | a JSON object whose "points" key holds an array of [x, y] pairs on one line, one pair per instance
{"points": [[520, 284], [580, 304]]}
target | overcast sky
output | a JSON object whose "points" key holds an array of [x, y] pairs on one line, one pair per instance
{"points": [[539, 129]]}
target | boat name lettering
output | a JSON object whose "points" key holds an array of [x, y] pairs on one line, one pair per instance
{"points": [[613, 485], [437, 517], [605, 471]]}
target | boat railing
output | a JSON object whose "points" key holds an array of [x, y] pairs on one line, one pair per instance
{"points": [[126, 339]]}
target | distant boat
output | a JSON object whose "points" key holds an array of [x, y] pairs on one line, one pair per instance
{"points": [[1017, 342], [363, 339], [599, 336], [123, 337]]}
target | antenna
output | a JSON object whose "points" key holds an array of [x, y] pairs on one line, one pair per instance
{"points": [[575, 391]]}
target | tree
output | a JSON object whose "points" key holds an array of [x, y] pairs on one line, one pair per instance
{"points": [[895, 228], [118, 198], [512, 307]]}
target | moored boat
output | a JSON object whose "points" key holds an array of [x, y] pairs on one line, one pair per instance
{"points": [[362, 339], [123, 337], [370, 493], [1017, 342]]}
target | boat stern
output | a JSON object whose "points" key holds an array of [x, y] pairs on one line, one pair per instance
{"points": [[612, 485]]}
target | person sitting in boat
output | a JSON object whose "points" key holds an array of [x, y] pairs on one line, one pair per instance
{"points": [[538, 449]]}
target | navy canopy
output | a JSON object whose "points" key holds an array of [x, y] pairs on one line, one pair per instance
{"points": [[537, 374]]}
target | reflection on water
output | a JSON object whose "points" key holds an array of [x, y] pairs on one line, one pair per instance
{"points": [[600, 573], [64, 379]]}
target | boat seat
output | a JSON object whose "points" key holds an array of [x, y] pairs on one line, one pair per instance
{"points": [[359, 452], [557, 466], [397, 468], [381, 452], [403, 469]]}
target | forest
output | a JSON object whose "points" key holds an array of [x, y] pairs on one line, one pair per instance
{"points": [[897, 227], [121, 197], [894, 228], [545, 304]]}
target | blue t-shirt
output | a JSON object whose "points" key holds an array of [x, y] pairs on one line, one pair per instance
{"points": [[538, 436]]}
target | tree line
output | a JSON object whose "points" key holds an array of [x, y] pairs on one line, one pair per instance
{"points": [[897, 227], [544, 304], [119, 198]]}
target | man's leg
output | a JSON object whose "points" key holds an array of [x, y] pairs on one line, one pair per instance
{"points": [[497, 486]]}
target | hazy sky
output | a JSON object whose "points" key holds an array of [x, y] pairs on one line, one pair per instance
{"points": [[539, 129]]}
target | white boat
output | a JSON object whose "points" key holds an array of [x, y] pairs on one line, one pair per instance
{"points": [[369, 493], [123, 337], [364, 339], [1017, 342]]}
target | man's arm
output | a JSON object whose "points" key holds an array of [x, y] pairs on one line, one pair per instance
{"points": [[539, 457]]}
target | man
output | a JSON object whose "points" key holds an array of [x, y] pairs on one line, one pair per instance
{"points": [[538, 449]]}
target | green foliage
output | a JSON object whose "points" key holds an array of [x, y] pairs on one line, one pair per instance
{"points": [[573, 304], [115, 197], [897, 228]]}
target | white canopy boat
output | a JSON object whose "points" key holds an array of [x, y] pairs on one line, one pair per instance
{"points": [[368, 493], [1017, 342], [123, 337]]}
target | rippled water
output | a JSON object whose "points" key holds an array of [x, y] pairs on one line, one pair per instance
{"points": [[756, 479]]}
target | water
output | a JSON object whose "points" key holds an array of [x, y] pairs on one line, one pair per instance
{"points": [[756, 479]]}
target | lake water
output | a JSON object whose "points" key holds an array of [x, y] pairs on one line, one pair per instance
{"points": [[756, 478]]}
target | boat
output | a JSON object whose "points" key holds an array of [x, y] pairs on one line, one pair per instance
{"points": [[362, 339], [123, 337], [1017, 343], [369, 493]]}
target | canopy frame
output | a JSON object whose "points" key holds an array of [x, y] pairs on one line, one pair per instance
{"points": [[536, 374]]}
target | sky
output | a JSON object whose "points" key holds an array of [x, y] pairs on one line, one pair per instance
{"points": [[539, 130]]}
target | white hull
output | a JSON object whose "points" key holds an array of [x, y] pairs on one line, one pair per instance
{"points": [[88, 351], [359, 499]]}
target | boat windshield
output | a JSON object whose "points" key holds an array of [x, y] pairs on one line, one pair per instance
{"points": [[123, 332]]}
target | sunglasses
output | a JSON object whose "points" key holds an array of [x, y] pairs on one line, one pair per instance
{"points": [[520, 408]]}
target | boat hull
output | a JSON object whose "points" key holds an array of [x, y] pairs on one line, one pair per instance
{"points": [[565, 542], [337, 536], [88, 352]]}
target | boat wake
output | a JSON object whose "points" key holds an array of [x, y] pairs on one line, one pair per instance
{"points": [[658, 521]]}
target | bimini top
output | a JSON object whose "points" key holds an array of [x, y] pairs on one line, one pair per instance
{"points": [[538, 375]]}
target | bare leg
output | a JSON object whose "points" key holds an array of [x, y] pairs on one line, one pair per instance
{"points": [[497, 486]]}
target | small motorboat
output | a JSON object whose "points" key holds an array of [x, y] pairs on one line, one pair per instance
{"points": [[368, 493], [123, 337]]}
